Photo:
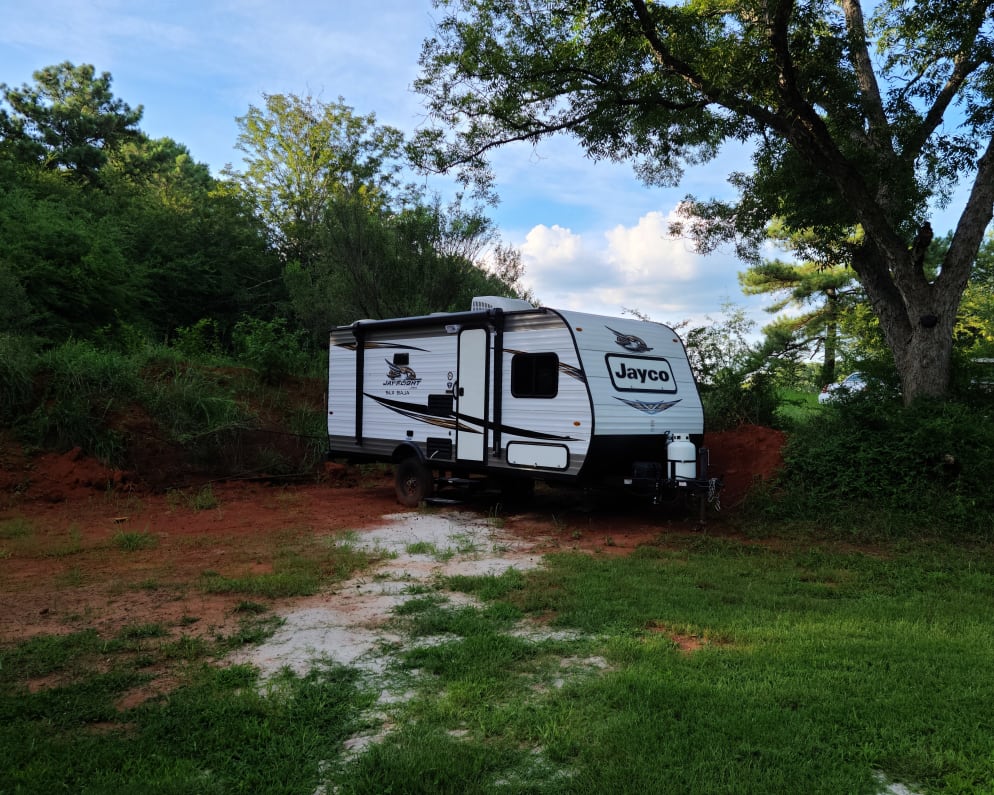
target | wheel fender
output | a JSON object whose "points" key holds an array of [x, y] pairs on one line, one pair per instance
{"points": [[408, 450]]}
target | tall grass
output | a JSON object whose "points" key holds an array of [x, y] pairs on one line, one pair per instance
{"points": [[18, 362], [223, 418], [83, 388]]}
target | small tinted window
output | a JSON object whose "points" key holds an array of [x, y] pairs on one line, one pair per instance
{"points": [[535, 375]]}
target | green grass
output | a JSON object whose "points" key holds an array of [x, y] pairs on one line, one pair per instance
{"points": [[203, 499], [422, 548], [300, 568], [217, 734], [820, 668], [133, 541], [16, 527]]}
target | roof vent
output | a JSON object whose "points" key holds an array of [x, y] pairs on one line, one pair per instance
{"points": [[482, 303]]}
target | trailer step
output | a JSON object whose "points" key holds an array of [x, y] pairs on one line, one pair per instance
{"points": [[461, 483]]}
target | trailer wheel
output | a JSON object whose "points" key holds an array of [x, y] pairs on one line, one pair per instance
{"points": [[413, 483]]}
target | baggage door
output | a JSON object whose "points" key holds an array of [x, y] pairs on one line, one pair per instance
{"points": [[471, 395]]}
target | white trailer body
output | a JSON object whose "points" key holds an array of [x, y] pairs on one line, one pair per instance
{"points": [[516, 392]]}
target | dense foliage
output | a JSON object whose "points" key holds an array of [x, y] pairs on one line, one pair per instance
{"points": [[110, 236], [121, 256], [870, 466]]}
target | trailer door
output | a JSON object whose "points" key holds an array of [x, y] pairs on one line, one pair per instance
{"points": [[471, 395]]}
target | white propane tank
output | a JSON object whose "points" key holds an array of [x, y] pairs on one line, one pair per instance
{"points": [[681, 455]]}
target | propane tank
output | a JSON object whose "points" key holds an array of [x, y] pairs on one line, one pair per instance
{"points": [[681, 455]]}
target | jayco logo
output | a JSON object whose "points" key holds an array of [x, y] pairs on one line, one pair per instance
{"points": [[629, 341], [640, 374], [400, 375]]}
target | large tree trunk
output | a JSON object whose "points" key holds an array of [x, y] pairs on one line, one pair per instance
{"points": [[916, 318], [924, 358]]}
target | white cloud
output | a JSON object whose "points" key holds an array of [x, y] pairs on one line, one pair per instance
{"points": [[631, 267], [551, 246], [647, 251]]}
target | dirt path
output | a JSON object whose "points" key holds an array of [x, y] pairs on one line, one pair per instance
{"points": [[418, 549]]}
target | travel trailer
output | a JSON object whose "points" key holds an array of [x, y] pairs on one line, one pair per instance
{"points": [[511, 393]]}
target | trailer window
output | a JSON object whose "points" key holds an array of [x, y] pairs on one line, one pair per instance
{"points": [[534, 375]]}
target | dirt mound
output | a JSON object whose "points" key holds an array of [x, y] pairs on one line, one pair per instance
{"points": [[744, 456], [55, 477], [71, 475]]}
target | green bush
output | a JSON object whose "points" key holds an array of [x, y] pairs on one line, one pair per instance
{"points": [[924, 468], [732, 399], [270, 348], [199, 342]]}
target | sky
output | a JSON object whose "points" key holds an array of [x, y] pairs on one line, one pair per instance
{"points": [[592, 237]]}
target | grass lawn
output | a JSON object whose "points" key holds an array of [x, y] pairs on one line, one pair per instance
{"points": [[701, 665]]}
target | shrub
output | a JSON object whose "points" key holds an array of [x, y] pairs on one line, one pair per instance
{"points": [[199, 342], [921, 468], [732, 399], [270, 348]]}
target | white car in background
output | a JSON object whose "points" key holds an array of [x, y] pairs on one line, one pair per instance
{"points": [[850, 385]]}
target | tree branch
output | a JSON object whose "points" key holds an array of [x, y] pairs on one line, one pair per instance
{"points": [[971, 227], [696, 81], [809, 135], [870, 98], [961, 71]]}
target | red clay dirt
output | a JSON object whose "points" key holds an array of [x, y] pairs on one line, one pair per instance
{"points": [[64, 566]]}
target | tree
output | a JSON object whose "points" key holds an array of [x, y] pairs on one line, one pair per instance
{"points": [[354, 241], [196, 240], [303, 155], [423, 258], [844, 137], [102, 228], [68, 120], [821, 289]]}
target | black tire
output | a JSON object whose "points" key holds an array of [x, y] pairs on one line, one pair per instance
{"points": [[413, 482]]}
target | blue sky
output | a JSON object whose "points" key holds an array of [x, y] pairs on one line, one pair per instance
{"points": [[592, 237]]}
